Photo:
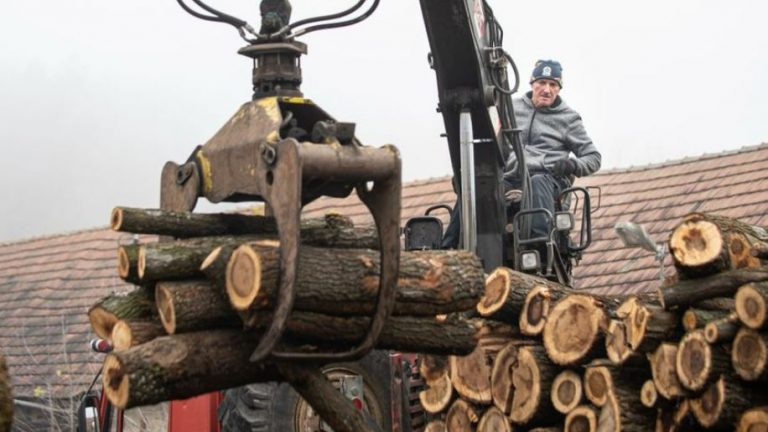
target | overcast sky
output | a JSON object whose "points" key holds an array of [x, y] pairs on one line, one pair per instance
{"points": [[95, 96]]}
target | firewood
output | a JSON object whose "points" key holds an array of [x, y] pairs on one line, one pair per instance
{"points": [[6, 397], [723, 402], [471, 377], [716, 303], [752, 305], [567, 391], [722, 330], [749, 355], [536, 309], [532, 378], [433, 367], [182, 366], [705, 244], [572, 333], [753, 420], [505, 294], [602, 379], [193, 305], [688, 292], [493, 420], [429, 282], [624, 415], [698, 363], [616, 345], [582, 418], [128, 263], [664, 371], [650, 397], [648, 324], [126, 334], [436, 426], [438, 395], [502, 388], [461, 417], [136, 305], [694, 318]]}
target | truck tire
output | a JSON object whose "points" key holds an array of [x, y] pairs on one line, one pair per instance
{"points": [[276, 407]]}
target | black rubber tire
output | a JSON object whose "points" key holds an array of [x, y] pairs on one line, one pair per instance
{"points": [[272, 407]]}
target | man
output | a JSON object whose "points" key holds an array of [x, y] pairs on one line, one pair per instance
{"points": [[550, 132]]}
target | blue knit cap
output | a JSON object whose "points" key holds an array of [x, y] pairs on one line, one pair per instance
{"points": [[548, 69]]}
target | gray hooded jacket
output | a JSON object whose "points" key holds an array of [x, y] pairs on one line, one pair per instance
{"points": [[550, 134]]}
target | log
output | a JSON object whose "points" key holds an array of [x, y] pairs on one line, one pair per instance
{"points": [[760, 251], [502, 389], [616, 344], [685, 293], [723, 402], [332, 406], [186, 306], [505, 294], [471, 377], [135, 305], [752, 305], [181, 366], [429, 282], [722, 330], [438, 395], [461, 417], [126, 334], [128, 263], [567, 392], [647, 324], [749, 355], [532, 378], [436, 426], [698, 363], [694, 318], [572, 333], [582, 418], [6, 397], [602, 379], [624, 415], [753, 420], [536, 309], [333, 230], [649, 396], [705, 244], [432, 367], [664, 371], [716, 303], [493, 420]]}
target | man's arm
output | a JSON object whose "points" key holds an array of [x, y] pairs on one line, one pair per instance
{"points": [[587, 157]]}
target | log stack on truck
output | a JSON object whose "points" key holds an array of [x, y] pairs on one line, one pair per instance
{"points": [[692, 355]]}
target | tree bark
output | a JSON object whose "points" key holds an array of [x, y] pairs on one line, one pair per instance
{"points": [[716, 303], [752, 305], [505, 294], [6, 397], [694, 318], [335, 409], [126, 334], [567, 392], [723, 402], [698, 363], [582, 418], [664, 371], [688, 292], [705, 244], [182, 366], [128, 263], [493, 420], [461, 417], [722, 330], [624, 415], [753, 420], [186, 306], [573, 331], [135, 305], [601, 380], [536, 309], [438, 395], [429, 282], [749, 355]]}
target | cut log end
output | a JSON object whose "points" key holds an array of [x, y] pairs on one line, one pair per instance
{"points": [[123, 262], [497, 288], [754, 420], [616, 343], [116, 219], [597, 385], [526, 381], [164, 302], [581, 419], [211, 258], [243, 277], [493, 420], [566, 391], [461, 417], [102, 322], [648, 394], [709, 405], [693, 362], [696, 242], [751, 306], [142, 262], [535, 311], [572, 329], [662, 363], [432, 367], [436, 398], [749, 354], [114, 381]]}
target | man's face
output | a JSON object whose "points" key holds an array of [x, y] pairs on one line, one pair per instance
{"points": [[544, 92]]}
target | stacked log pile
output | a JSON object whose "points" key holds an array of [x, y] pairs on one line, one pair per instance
{"points": [[692, 355], [205, 294]]}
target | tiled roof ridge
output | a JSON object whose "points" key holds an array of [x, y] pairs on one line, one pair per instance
{"points": [[683, 160]]}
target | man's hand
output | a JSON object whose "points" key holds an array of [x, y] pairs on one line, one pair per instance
{"points": [[564, 168]]}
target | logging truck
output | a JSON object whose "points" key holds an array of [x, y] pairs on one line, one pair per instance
{"points": [[283, 150]]}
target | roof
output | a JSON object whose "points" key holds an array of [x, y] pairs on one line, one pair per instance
{"points": [[47, 284]]}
